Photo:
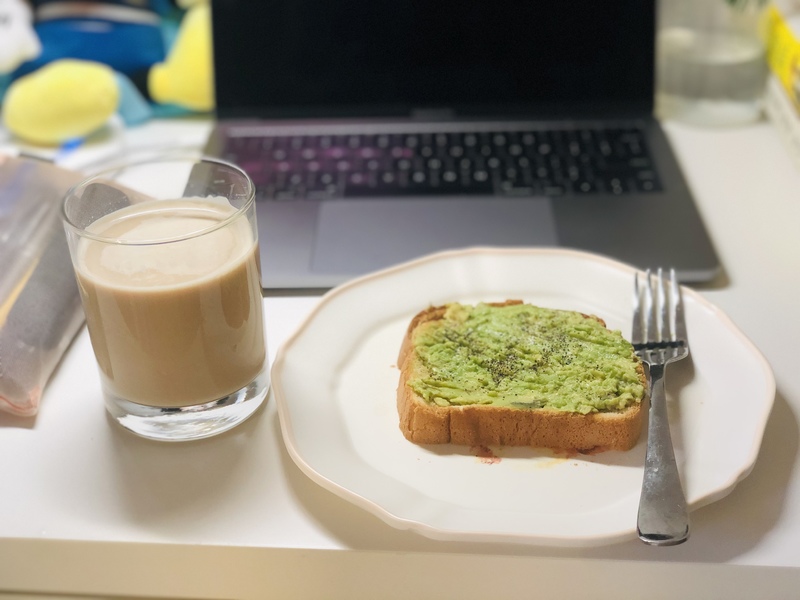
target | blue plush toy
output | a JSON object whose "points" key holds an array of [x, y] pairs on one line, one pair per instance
{"points": [[136, 58], [123, 34]]}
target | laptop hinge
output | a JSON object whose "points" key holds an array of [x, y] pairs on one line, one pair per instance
{"points": [[433, 114]]}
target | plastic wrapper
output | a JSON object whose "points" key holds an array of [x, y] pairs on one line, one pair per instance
{"points": [[40, 308]]}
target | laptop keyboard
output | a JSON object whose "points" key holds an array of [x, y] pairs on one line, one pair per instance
{"points": [[518, 163]]}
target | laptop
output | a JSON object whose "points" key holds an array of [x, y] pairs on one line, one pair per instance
{"points": [[378, 131]]}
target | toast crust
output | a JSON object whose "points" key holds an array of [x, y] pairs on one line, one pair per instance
{"points": [[425, 423]]}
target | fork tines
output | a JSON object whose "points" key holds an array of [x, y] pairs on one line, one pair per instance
{"points": [[658, 322]]}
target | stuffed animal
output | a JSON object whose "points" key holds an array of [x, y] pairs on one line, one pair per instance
{"points": [[18, 41], [104, 57]]}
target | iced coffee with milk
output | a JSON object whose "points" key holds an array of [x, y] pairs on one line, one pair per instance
{"points": [[172, 296], [173, 324]]}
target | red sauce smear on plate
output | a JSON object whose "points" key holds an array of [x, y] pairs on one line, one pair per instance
{"points": [[485, 455]]}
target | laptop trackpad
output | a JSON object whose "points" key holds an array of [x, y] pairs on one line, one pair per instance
{"points": [[356, 237]]}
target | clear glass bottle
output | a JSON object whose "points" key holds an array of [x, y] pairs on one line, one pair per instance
{"points": [[711, 63]]}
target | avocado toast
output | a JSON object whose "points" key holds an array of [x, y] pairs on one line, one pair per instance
{"points": [[513, 374]]}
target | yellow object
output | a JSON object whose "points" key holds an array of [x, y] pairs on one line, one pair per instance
{"points": [[186, 77], [186, 4], [63, 100], [783, 51]]}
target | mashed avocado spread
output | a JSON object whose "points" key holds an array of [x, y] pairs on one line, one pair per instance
{"points": [[523, 356]]}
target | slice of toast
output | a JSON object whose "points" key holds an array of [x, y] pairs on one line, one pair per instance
{"points": [[437, 421]]}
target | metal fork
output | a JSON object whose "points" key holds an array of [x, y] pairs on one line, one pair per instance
{"points": [[659, 338]]}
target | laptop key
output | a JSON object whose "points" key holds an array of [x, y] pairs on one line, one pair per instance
{"points": [[647, 185], [616, 185], [585, 186]]}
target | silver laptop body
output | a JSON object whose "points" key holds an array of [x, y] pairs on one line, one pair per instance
{"points": [[378, 131]]}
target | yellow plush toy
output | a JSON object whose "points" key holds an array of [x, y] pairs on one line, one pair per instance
{"points": [[70, 98], [185, 78], [64, 100]]}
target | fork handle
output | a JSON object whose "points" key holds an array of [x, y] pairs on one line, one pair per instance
{"points": [[663, 516]]}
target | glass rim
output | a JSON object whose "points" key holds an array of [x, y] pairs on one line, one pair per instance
{"points": [[82, 232]]}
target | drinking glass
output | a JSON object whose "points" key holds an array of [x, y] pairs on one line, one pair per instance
{"points": [[165, 252], [711, 61]]}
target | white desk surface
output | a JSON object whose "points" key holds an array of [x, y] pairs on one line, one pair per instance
{"points": [[88, 509]]}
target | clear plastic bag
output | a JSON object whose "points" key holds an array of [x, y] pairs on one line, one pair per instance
{"points": [[40, 309]]}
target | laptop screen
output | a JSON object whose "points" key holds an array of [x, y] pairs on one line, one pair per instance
{"points": [[349, 58]]}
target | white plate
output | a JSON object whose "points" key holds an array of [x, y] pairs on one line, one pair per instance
{"points": [[335, 383]]}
